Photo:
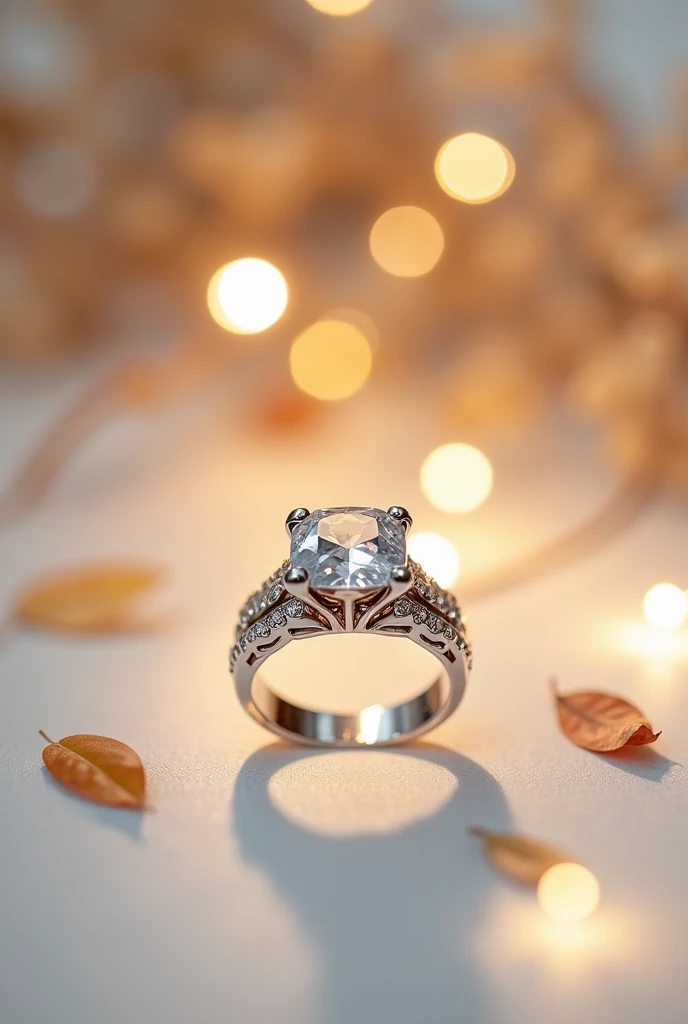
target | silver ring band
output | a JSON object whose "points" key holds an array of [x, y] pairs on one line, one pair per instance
{"points": [[348, 573]]}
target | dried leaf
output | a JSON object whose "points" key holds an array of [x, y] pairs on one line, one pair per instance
{"points": [[90, 600], [97, 768], [601, 721], [519, 858]]}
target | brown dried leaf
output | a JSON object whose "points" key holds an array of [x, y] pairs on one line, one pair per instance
{"points": [[519, 858], [93, 600], [99, 769], [601, 721]]}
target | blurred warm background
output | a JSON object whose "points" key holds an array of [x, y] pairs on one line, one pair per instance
{"points": [[257, 254], [325, 195]]}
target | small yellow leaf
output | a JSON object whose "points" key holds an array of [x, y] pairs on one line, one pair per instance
{"points": [[93, 600], [519, 858], [98, 768], [601, 722]]}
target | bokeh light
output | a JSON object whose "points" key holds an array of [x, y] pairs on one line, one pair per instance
{"points": [[436, 554], [665, 605], [339, 8], [330, 360], [247, 296], [474, 168], [406, 241], [456, 477], [568, 893]]}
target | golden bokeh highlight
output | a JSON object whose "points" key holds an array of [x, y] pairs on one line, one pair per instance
{"points": [[665, 605], [330, 360], [339, 8], [436, 554], [456, 477], [568, 893], [247, 296], [474, 168], [406, 241]]}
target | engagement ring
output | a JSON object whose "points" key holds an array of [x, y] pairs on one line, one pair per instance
{"points": [[348, 572]]}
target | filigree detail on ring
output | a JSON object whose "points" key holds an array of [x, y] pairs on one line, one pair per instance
{"points": [[263, 627], [404, 607]]}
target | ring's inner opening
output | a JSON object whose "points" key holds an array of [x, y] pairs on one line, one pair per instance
{"points": [[361, 689], [348, 671]]}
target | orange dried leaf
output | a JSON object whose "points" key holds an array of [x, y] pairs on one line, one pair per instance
{"points": [[98, 768], [601, 721], [519, 858], [86, 601]]}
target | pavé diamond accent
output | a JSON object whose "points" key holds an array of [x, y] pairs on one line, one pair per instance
{"points": [[294, 608], [277, 618], [348, 548], [404, 606], [434, 608], [262, 628]]}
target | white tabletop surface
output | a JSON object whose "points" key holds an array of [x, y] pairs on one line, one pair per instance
{"points": [[274, 884]]}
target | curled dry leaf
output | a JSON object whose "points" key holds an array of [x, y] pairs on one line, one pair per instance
{"points": [[92, 600], [601, 721], [519, 858], [98, 768]]}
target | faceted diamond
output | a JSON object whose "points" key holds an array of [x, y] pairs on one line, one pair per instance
{"points": [[348, 548], [348, 529]]}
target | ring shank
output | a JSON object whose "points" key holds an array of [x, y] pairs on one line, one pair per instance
{"points": [[413, 609], [374, 725]]}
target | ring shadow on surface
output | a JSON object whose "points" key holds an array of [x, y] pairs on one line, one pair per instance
{"points": [[393, 915]]}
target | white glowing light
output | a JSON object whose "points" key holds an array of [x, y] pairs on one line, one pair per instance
{"points": [[436, 554], [369, 723], [339, 8], [568, 893], [247, 296], [665, 605], [456, 477], [474, 168]]}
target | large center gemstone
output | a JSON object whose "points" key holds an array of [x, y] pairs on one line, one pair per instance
{"points": [[348, 548]]}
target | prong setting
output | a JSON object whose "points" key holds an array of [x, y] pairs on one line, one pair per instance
{"points": [[402, 516], [296, 581], [296, 516], [401, 579], [401, 574]]}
